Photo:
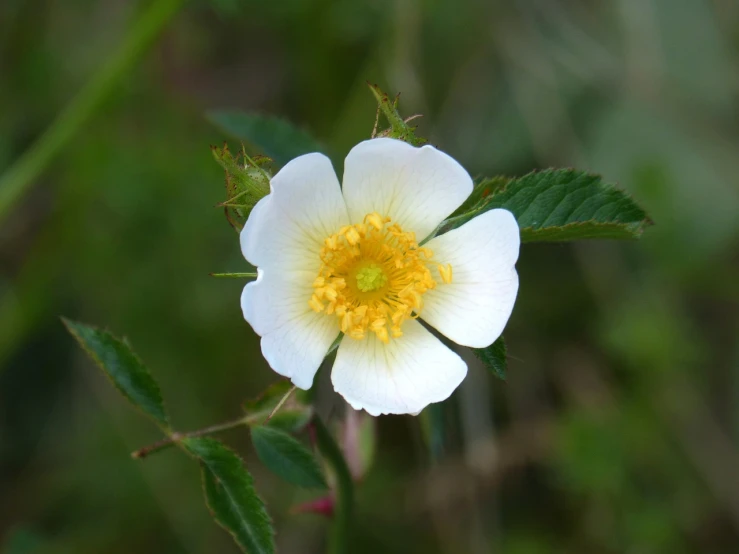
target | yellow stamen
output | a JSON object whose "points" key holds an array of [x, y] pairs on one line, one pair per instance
{"points": [[316, 304], [372, 278], [446, 272], [375, 220], [352, 236]]}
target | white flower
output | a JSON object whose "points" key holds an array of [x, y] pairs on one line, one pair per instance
{"points": [[332, 260]]}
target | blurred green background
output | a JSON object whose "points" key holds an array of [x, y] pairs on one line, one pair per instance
{"points": [[618, 428]]}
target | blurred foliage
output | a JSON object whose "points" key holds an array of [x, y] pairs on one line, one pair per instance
{"points": [[617, 428], [272, 136]]}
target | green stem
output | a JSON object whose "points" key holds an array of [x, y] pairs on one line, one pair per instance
{"points": [[260, 417], [339, 541], [281, 403], [177, 437], [28, 167], [234, 275]]}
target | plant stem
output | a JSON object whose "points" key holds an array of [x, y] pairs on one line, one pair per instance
{"points": [[31, 163], [248, 419], [280, 403], [234, 275], [339, 538], [176, 437]]}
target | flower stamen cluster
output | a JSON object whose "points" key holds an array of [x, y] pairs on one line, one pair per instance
{"points": [[373, 277]]}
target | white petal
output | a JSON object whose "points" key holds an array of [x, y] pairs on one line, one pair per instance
{"points": [[295, 339], [401, 377], [415, 187], [474, 308], [286, 228]]}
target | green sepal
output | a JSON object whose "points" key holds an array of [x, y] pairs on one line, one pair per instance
{"points": [[247, 181], [398, 127]]}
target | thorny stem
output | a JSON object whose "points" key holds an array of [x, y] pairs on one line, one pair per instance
{"points": [[177, 437], [249, 419]]}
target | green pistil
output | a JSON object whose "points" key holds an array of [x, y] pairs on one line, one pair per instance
{"points": [[371, 278]]}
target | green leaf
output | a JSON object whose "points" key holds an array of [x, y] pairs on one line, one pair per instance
{"points": [[399, 128], [291, 421], [123, 367], [494, 357], [483, 190], [287, 457], [339, 543], [272, 136], [561, 205], [230, 495]]}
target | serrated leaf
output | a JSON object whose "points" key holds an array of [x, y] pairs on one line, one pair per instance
{"points": [[123, 367], [494, 357], [291, 421], [561, 205], [272, 136], [230, 495], [481, 193], [287, 457]]}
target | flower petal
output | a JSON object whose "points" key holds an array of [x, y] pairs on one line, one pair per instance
{"points": [[286, 228], [415, 187], [401, 377], [474, 308], [295, 339]]}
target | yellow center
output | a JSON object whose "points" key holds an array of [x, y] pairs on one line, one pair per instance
{"points": [[370, 278], [373, 276]]}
